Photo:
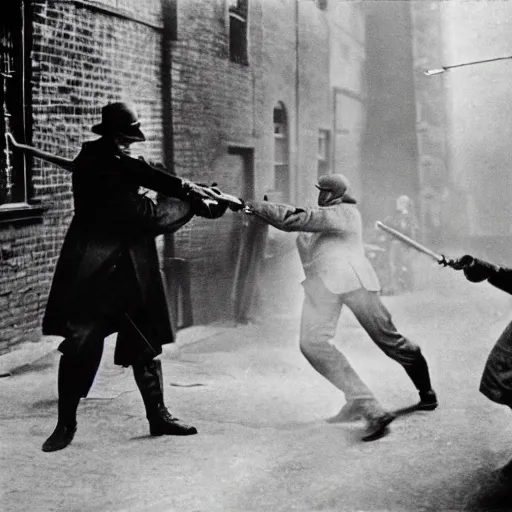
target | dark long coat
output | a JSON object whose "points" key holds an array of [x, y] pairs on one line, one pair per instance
{"points": [[113, 224], [496, 382]]}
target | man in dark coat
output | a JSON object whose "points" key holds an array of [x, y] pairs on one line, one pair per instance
{"points": [[338, 274], [107, 277], [496, 381]]}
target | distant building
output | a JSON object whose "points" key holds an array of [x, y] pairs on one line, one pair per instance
{"points": [[479, 128], [390, 147], [463, 124]]}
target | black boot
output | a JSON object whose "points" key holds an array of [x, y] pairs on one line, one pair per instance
{"points": [[428, 401], [69, 398], [60, 438], [149, 380], [420, 376]]}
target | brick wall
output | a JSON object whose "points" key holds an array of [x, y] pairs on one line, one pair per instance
{"points": [[214, 108], [81, 60], [222, 113], [219, 104]]}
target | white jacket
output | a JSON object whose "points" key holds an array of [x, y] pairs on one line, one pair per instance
{"points": [[330, 245]]}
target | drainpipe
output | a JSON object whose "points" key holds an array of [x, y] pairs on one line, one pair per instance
{"points": [[176, 272], [297, 103], [169, 15]]}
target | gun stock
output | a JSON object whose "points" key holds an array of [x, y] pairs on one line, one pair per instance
{"points": [[65, 163]]}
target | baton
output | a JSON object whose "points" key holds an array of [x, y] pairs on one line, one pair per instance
{"points": [[440, 258]]}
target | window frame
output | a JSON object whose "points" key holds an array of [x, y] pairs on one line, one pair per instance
{"points": [[281, 182], [237, 14], [23, 208]]}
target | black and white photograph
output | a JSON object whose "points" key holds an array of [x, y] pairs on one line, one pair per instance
{"points": [[255, 255]]}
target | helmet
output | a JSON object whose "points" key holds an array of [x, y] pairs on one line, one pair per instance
{"points": [[335, 183], [119, 119]]}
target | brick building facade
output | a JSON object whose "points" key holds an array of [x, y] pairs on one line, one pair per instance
{"points": [[232, 92], [77, 57]]}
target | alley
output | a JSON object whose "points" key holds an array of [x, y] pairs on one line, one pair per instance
{"points": [[263, 442]]}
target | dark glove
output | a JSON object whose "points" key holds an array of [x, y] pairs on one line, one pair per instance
{"points": [[459, 263], [232, 206], [475, 270], [207, 207], [237, 207]]}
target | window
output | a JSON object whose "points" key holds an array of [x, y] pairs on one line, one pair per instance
{"points": [[238, 12], [324, 151], [13, 184], [281, 167]]}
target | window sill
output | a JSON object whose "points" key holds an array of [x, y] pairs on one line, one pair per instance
{"points": [[21, 214]]}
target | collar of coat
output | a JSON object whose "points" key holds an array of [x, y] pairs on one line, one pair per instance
{"points": [[106, 145]]}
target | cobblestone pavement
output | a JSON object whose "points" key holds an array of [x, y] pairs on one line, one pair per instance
{"points": [[263, 443]]}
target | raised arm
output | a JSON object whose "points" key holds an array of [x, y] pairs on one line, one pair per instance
{"points": [[147, 175], [290, 218]]}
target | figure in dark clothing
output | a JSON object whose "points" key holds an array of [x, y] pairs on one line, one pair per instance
{"points": [[107, 278], [496, 380], [338, 275]]}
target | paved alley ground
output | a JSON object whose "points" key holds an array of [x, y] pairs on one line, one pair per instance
{"points": [[263, 443]]}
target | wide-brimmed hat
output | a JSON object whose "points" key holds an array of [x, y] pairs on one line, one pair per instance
{"points": [[119, 119]]}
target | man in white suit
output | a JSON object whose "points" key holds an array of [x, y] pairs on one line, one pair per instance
{"points": [[338, 273]]}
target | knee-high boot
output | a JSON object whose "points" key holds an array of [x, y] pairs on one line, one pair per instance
{"points": [[69, 398], [420, 376], [75, 378], [149, 379]]}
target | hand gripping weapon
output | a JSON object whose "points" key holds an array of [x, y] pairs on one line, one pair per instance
{"points": [[440, 258], [214, 193]]}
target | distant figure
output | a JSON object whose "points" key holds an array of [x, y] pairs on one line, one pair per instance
{"points": [[337, 274], [401, 256], [404, 218]]}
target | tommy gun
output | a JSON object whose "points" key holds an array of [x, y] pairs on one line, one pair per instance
{"points": [[213, 193], [441, 259]]}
